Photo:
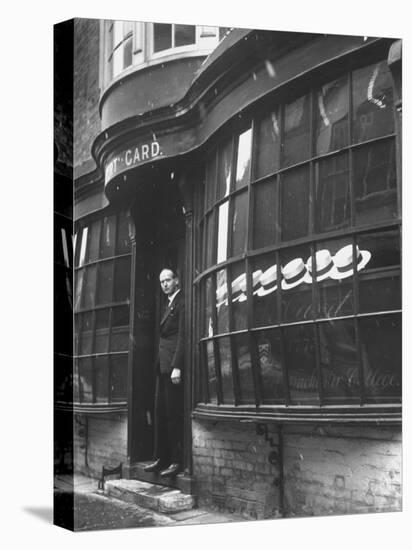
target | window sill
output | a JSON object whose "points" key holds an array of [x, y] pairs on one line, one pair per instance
{"points": [[348, 414]]}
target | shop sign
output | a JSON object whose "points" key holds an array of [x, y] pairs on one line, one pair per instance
{"points": [[131, 157]]}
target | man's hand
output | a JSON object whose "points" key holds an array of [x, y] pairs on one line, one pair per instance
{"points": [[175, 376]]}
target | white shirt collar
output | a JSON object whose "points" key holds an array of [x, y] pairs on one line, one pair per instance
{"points": [[172, 297]]}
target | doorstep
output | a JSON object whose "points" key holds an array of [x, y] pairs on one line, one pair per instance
{"points": [[149, 495], [182, 481]]}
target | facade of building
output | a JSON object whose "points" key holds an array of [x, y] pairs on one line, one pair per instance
{"points": [[265, 167]]}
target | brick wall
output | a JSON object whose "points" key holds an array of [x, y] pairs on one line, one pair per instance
{"points": [[86, 93], [99, 441], [327, 470]]}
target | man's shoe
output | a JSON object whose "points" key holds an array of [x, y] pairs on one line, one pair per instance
{"points": [[171, 470], [154, 466]]}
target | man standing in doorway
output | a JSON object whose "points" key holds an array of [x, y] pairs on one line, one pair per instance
{"points": [[169, 384]]}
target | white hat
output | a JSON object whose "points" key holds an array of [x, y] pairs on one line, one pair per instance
{"points": [[266, 279], [294, 273], [221, 295], [324, 265], [238, 288], [344, 264]]}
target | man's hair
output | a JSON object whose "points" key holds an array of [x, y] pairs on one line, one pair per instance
{"points": [[173, 272]]}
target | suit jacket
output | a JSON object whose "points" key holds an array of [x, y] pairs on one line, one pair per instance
{"points": [[171, 341]]}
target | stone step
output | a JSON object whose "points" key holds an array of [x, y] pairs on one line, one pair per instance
{"points": [[148, 495]]}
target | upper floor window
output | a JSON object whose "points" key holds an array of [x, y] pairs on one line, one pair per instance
{"points": [[120, 42], [166, 36]]}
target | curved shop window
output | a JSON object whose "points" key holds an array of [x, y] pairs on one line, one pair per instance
{"points": [[298, 270], [101, 305]]}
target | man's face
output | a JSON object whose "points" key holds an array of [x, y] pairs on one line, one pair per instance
{"points": [[168, 282]]}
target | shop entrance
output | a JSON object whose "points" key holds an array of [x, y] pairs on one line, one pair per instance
{"points": [[160, 242]]}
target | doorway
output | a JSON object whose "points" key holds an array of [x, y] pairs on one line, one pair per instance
{"points": [[160, 242]]}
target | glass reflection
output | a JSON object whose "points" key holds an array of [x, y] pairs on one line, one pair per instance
{"points": [[268, 145], [222, 232], [331, 121], [374, 175], [93, 252], [265, 306], [296, 135], [118, 377], [225, 170], [244, 152], [85, 380], [107, 241], [222, 308], [239, 223], [339, 361], [332, 194], [296, 285], [270, 362], [101, 369], [244, 363], [372, 102], [381, 339], [239, 297], [208, 304], [225, 356]]}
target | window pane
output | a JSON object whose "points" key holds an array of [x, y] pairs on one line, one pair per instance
{"points": [[211, 180], [93, 253], [117, 60], [108, 237], [120, 316], [222, 302], [211, 371], [270, 363], [118, 377], [268, 145], [239, 297], [332, 205], [296, 145], [209, 248], [119, 340], [101, 341], [79, 276], [372, 102], [379, 280], [331, 116], [265, 219], [101, 369], [265, 291], [82, 246], [184, 35], [295, 204], [239, 223], [123, 245], [244, 152], [76, 388], [339, 361], [224, 170], [105, 283], [301, 365], [336, 298], [296, 285], [374, 174], [89, 287], [226, 370], [207, 300], [127, 52], [86, 334], [122, 279], [162, 36], [222, 232], [381, 339], [86, 380], [244, 362]]}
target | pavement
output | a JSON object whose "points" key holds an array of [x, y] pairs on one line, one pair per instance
{"points": [[94, 510]]}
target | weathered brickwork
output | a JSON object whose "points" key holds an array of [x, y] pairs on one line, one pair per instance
{"points": [[86, 93], [327, 470], [99, 441]]}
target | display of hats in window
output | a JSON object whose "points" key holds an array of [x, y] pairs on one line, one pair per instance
{"points": [[221, 295], [295, 273], [344, 261], [324, 266], [268, 281], [239, 288]]}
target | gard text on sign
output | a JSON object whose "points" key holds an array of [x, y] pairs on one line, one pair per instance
{"points": [[133, 156]]}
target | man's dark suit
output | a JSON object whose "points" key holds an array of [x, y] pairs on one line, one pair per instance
{"points": [[169, 396]]}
